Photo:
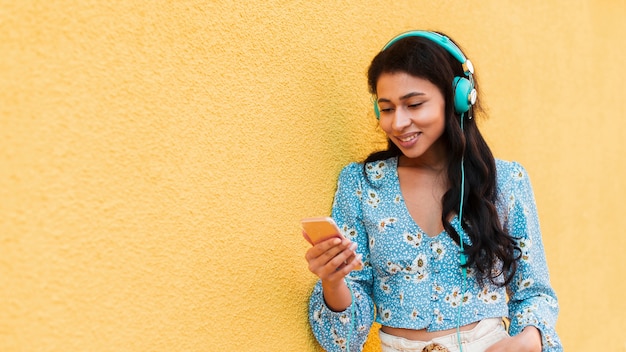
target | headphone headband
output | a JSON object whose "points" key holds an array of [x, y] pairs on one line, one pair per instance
{"points": [[443, 41], [464, 91]]}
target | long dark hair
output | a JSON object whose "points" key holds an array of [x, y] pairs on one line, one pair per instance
{"points": [[493, 252]]}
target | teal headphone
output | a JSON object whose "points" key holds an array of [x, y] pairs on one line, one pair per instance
{"points": [[464, 91]]}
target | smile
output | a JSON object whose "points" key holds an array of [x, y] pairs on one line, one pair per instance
{"points": [[408, 138]]}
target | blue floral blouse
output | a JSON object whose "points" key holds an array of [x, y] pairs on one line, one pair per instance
{"points": [[414, 281]]}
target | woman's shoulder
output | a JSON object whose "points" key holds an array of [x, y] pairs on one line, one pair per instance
{"points": [[373, 171], [508, 168], [509, 173]]}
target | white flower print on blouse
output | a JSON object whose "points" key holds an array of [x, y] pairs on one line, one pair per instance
{"points": [[489, 297], [416, 272], [413, 239], [510, 204], [359, 193], [317, 315], [454, 297], [523, 284], [384, 223], [349, 232], [393, 268], [527, 316], [439, 318], [338, 340], [517, 175], [438, 289], [418, 265], [385, 314], [384, 286], [372, 199], [438, 250], [376, 170], [525, 245]]}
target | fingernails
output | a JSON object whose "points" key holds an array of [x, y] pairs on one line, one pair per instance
{"points": [[359, 259]]}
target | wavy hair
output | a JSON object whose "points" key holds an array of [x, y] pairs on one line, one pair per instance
{"points": [[493, 253]]}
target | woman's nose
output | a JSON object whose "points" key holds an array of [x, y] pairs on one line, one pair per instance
{"points": [[401, 119]]}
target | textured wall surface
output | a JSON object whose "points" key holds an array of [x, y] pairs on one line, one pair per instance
{"points": [[156, 156]]}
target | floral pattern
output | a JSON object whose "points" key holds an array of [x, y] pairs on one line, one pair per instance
{"points": [[414, 281]]}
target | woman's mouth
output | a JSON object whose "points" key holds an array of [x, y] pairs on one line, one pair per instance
{"points": [[409, 139]]}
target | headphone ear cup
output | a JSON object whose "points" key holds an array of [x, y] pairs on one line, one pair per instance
{"points": [[464, 94], [376, 109]]}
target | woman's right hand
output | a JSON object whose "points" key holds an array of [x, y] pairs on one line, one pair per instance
{"points": [[331, 260]]}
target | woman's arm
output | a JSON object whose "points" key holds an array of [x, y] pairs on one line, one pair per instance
{"points": [[341, 310], [532, 300], [331, 261]]}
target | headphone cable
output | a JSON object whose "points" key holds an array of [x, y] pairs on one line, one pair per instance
{"points": [[351, 328], [462, 257]]}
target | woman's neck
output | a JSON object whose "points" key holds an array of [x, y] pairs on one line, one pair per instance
{"points": [[433, 160]]}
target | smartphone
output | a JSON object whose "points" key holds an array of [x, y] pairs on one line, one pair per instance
{"points": [[319, 229], [322, 228]]}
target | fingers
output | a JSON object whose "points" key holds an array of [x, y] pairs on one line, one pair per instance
{"points": [[338, 256], [333, 259], [324, 246], [328, 255], [354, 262], [336, 269]]}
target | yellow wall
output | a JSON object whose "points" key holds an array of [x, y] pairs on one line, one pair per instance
{"points": [[155, 158]]}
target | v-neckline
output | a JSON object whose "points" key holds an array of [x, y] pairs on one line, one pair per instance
{"points": [[405, 209]]}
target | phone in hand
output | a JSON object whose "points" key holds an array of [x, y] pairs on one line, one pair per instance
{"points": [[318, 229]]}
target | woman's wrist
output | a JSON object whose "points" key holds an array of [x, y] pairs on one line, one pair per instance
{"points": [[336, 295]]}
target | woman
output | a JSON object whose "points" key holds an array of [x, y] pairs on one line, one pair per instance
{"points": [[433, 282]]}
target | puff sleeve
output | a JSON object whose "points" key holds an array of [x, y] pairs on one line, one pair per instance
{"points": [[532, 301], [346, 330]]}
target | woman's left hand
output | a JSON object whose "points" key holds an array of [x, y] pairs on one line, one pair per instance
{"points": [[529, 340]]}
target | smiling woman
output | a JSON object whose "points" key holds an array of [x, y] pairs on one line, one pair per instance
{"points": [[412, 111], [452, 231], [156, 156]]}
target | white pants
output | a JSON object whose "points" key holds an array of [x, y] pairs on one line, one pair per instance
{"points": [[484, 334]]}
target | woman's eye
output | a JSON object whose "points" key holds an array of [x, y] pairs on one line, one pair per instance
{"points": [[413, 106]]}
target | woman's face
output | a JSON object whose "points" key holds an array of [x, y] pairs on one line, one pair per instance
{"points": [[412, 114]]}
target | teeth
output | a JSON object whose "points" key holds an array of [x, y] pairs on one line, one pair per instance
{"points": [[407, 139]]}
